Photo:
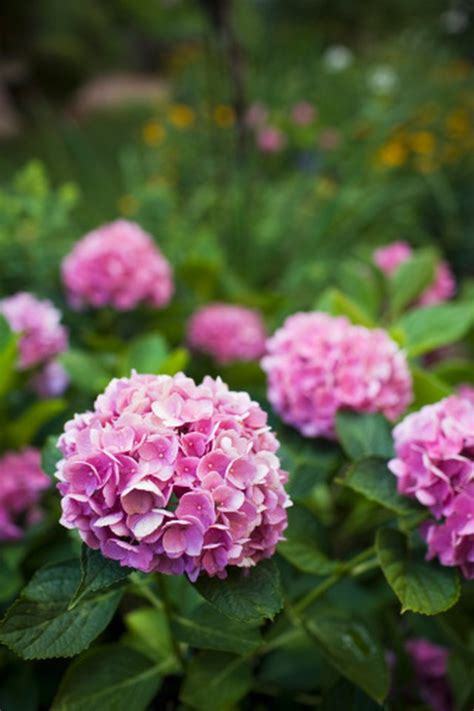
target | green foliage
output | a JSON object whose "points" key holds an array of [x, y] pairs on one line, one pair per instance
{"points": [[371, 478], [411, 279], [364, 435], [216, 680], [301, 545], [50, 456], [97, 574], [434, 326]]}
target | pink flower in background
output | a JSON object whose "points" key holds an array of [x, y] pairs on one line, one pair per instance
{"points": [[329, 139], [51, 381], [435, 464], [227, 332], [117, 265], [271, 140], [466, 391], [39, 324], [391, 257], [256, 115], [303, 113], [21, 484], [166, 475], [430, 663], [318, 364]]}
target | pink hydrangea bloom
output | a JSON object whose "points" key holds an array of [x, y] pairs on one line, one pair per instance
{"points": [[227, 332], [117, 265], [166, 475], [430, 662], [256, 115], [21, 484], [51, 381], [391, 257], [435, 464], [318, 364], [39, 324], [303, 113], [466, 391], [271, 140]]}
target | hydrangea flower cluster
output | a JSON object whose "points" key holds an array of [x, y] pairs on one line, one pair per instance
{"points": [[21, 484], [227, 332], [51, 381], [391, 257], [166, 475], [435, 464], [430, 662], [39, 324], [117, 265], [318, 364]]}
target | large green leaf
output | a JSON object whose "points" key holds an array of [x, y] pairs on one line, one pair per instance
{"points": [[372, 478], [411, 279], [455, 371], [351, 647], [337, 303], [345, 696], [40, 625], [301, 547], [22, 430], [113, 678], [426, 588], [85, 371], [429, 328], [148, 630], [206, 628], [145, 354], [216, 681], [97, 573], [428, 388], [245, 595], [8, 355], [364, 434]]}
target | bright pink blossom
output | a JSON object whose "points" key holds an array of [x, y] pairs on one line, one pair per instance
{"points": [[318, 364], [39, 324], [430, 663], [435, 464], [271, 140], [303, 113], [227, 332], [21, 484], [117, 265], [391, 257], [166, 475]]}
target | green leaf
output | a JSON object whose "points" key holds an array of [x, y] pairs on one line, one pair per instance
{"points": [[351, 647], [372, 478], [8, 355], [97, 573], [411, 279], [337, 303], [50, 456], [85, 371], [206, 628], [455, 371], [301, 547], [426, 588], [216, 681], [175, 362], [245, 595], [39, 625], [146, 354], [429, 328], [344, 695], [24, 429], [114, 677], [428, 388], [364, 434], [149, 632]]}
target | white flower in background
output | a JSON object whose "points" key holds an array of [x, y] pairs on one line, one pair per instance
{"points": [[337, 58], [454, 21], [382, 79]]}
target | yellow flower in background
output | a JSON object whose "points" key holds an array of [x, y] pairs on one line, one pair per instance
{"points": [[423, 142], [393, 154], [127, 205], [224, 116], [457, 123], [153, 133], [325, 188], [181, 116]]}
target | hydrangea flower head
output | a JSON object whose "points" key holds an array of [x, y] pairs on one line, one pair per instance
{"points": [[117, 265], [22, 482], [391, 257], [39, 324], [51, 381], [271, 140], [166, 475], [227, 332], [430, 663], [435, 464], [318, 364]]}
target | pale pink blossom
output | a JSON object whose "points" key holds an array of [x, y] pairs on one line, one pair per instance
{"points": [[166, 475], [22, 483], [303, 113], [117, 265], [318, 364], [227, 332], [51, 381], [256, 115], [39, 324], [271, 140]]}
